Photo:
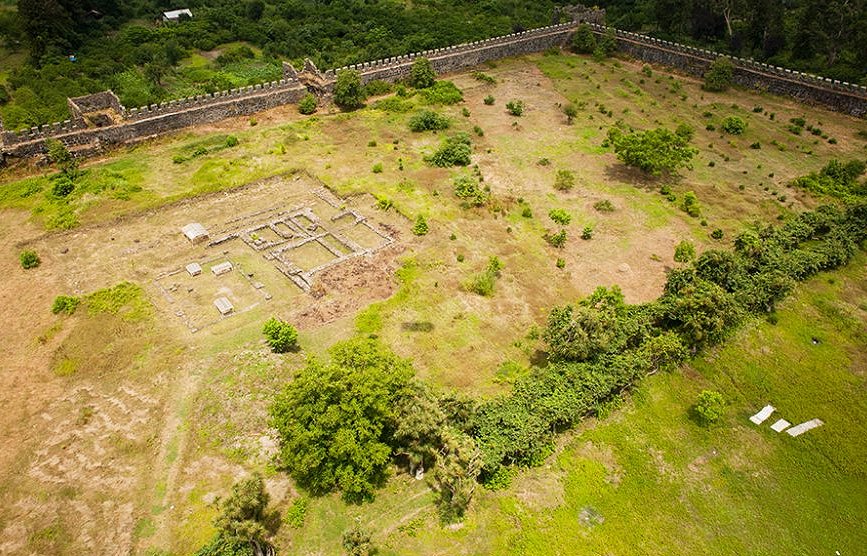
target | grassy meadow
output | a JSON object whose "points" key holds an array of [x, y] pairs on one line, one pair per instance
{"points": [[645, 479]]}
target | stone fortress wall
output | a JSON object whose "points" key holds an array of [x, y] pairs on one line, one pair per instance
{"points": [[99, 121]]}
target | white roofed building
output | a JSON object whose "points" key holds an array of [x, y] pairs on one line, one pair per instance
{"points": [[176, 15]]}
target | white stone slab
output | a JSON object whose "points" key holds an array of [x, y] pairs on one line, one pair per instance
{"points": [[195, 232], [780, 425], [222, 268], [804, 427], [194, 269], [223, 305], [760, 417]]}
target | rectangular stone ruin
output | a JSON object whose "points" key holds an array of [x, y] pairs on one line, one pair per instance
{"points": [[195, 232], [760, 417], [780, 425], [222, 268], [804, 427], [194, 269], [224, 306]]}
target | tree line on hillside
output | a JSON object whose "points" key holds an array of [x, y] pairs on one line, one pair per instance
{"points": [[118, 44], [827, 37]]}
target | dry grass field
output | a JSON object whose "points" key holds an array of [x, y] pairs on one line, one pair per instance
{"points": [[125, 421]]}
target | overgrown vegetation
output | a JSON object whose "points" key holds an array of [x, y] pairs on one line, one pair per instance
{"points": [[454, 151], [28, 259], [718, 77], [655, 151], [428, 120], [280, 335]]}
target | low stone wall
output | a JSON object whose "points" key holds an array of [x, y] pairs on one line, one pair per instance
{"points": [[141, 123], [809, 89]]}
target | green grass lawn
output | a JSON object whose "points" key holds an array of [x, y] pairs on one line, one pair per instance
{"points": [[650, 481]]}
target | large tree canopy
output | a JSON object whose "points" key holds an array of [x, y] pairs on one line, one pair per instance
{"points": [[336, 420]]}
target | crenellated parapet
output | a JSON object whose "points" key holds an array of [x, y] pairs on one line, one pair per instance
{"points": [[100, 120]]}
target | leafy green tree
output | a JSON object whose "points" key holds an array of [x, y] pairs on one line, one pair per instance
{"points": [[420, 228], [608, 43], [583, 331], [709, 408], [348, 92], [654, 151], [684, 252], [336, 420], [58, 154], [734, 125], [456, 474], [280, 335], [420, 421], [718, 77], [421, 74], [240, 524], [701, 312], [307, 105], [584, 40]]}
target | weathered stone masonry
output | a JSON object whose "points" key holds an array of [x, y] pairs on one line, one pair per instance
{"points": [[810, 89], [99, 121]]}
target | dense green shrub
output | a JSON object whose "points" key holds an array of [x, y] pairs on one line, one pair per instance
{"points": [[484, 78], [584, 40], [654, 151], [709, 407], [421, 74], [603, 206], [587, 232], [469, 189], [483, 282], [489, 100], [28, 259], [442, 92], [719, 75], [836, 179], [564, 180], [684, 252], [515, 107], [348, 92], [690, 204], [734, 125], [454, 151], [427, 120], [420, 227], [307, 105], [560, 216], [557, 240], [280, 335], [65, 304], [377, 87]]}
